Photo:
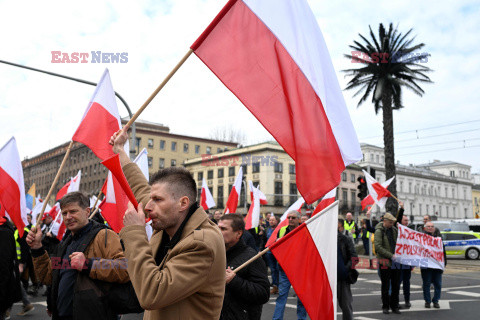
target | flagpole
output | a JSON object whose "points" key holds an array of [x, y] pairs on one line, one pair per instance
{"points": [[160, 87], [94, 212], [95, 204], [258, 255], [54, 182]]}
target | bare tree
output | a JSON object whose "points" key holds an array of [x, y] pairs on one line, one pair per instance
{"points": [[228, 134]]}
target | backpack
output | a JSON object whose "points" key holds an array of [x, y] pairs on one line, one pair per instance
{"points": [[119, 297]]}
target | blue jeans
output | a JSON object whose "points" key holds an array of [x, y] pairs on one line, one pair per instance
{"points": [[430, 276], [273, 265], [283, 289]]}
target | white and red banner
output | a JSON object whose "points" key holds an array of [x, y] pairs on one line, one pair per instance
{"points": [[297, 205], [101, 120], [419, 249], [12, 187], [233, 197], [272, 55], [71, 186], [368, 200], [206, 198], [253, 216], [327, 200], [378, 191], [58, 227], [263, 198], [308, 255]]}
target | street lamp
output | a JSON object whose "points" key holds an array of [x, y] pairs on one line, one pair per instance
{"points": [[134, 140]]}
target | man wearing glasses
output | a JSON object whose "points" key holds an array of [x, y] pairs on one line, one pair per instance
{"points": [[428, 218], [284, 284]]}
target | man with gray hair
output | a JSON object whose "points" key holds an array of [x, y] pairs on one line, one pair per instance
{"points": [[284, 284]]}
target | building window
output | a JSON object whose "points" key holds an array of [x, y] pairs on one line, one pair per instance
{"points": [[244, 169], [162, 144], [197, 149], [161, 163], [291, 168], [174, 146], [256, 167], [383, 159], [185, 147], [231, 171], [209, 150], [220, 173], [344, 176], [278, 193], [278, 167], [371, 157], [150, 143], [377, 158], [210, 174], [293, 193], [200, 176], [401, 186], [353, 197], [220, 196], [173, 163], [150, 162], [452, 173], [352, 177], [446, 192]]}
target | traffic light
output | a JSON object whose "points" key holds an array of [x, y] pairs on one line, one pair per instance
{"points": [[362, 187]]}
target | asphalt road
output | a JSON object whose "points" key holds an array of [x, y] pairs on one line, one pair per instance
{"points": [[460, 297]]}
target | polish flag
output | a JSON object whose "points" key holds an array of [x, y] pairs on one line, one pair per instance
{"points": [[271, 54], [377, 191], [206, 198], [263, 198], [58, 227], [52, 212], [142, 161], [367, 201], [101, 120], [327, 200], [316, 287], [232, 202], [253, 217], [12, 187], [71, 186], [297, 206], [37, 209]]}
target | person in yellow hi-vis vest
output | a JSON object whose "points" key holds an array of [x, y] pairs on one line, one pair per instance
{"points": [[351, 227]]}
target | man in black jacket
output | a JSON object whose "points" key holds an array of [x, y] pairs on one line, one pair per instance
{"points": [[345, 262], [247, 291]]}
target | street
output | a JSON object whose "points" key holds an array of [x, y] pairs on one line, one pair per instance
{"points": [[460, 297]]}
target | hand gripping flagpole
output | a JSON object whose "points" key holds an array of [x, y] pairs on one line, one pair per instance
{"points": [[160, 87], [40, 215]]}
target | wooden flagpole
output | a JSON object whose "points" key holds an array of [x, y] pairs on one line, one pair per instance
{"points": [[160, 87], [246, 263], [95, 204], [39, 218]]}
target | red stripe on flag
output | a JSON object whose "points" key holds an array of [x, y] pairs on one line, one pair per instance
{"points": [[306, 272], [322, 205], [232, 202], [63, 191], [203, 200], [10, 198], [367, 201], [95, 130], [261, 73], [381, 191]]}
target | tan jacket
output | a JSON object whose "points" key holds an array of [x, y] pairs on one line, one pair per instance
{"points": [[110, 268], [190, 281]]}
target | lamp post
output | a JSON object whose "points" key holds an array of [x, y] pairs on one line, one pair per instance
{"points": [[133, 138]]}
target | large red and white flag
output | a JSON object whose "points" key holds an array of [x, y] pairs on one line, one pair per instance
{"points": [[297, 205], [101, 120], [368, 200], [327, 200], [233, 197], [271, 54], [12, 187], [379, 192], [317, 238], [142, 161], [71, 186], [206, 198], [253, 216], [263, 198]]}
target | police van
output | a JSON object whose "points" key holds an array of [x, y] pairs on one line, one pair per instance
{"points": [[462, 244]]}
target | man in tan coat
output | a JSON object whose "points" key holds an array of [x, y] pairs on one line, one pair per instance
{"points": [[180, 274]]}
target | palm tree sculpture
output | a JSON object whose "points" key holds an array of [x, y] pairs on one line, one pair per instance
{"points": [[390, 64]]}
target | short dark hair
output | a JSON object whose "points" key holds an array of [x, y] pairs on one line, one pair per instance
{"points": [[340, 220], [180, 180], [75, 197], [238, 224]]}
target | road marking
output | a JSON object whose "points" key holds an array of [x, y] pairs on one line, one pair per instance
{"points": [[42, 303], [414, 286], [364, 318], [447, 290], [466, 293]]}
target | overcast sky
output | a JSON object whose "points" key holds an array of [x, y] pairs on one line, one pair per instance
{"points": [[42, 111]]}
